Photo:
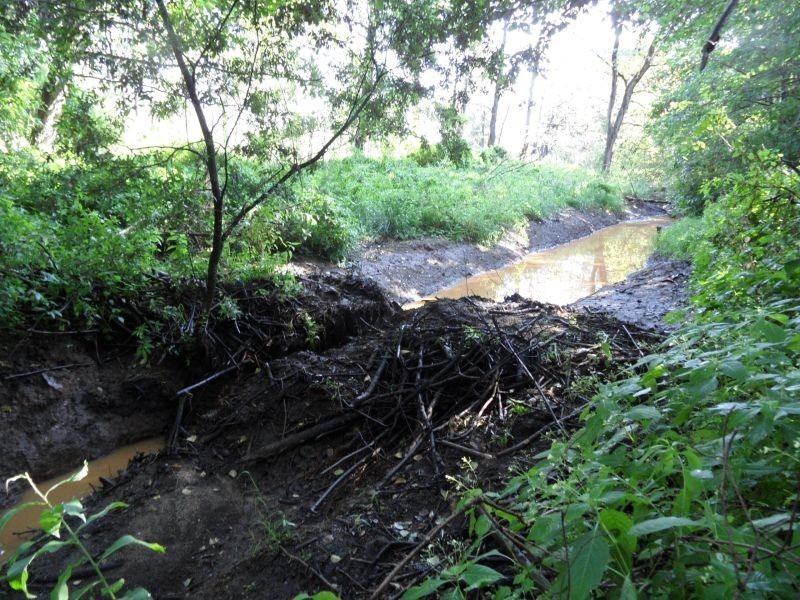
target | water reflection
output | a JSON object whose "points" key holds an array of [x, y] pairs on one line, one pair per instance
{"points": [[567, 273]]}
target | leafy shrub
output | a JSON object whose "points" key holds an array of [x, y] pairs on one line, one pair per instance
{"points": [[400, 199], [683, 480], [681, 239], [320, 225]]}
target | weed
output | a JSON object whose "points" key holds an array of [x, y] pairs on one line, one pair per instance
{"points": [[60, 518], [271, 529]]}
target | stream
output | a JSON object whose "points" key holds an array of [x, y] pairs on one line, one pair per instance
{"points": [[560, 275], [569, 272]]}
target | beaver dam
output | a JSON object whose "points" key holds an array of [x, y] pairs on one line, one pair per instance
{"points": [[326, 461]]}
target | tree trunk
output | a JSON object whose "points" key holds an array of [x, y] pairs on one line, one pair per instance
{"points": [[529, 113], [49, 95], [217, 193], [499, 86], [611, 135], [614, 122]]}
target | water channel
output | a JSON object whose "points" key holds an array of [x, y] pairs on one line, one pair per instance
{"points": [[569, 272], [560, 275]]}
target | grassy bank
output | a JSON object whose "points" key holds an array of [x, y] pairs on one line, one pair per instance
{"points": [[60, 219], [400, 199]]}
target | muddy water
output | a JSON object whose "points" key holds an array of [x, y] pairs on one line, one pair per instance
{"points": [[25, 523], [568, 272]]}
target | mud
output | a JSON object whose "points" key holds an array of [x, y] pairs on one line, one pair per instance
{"points": [[244, 513], [410, 270], [342, 439], [646, 296]]}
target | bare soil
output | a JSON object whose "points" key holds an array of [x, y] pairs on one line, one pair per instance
{"points": [[646, 296], [322, 469]]}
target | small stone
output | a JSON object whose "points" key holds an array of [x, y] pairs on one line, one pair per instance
{"points": [[186, 491], [335, 558], [232, 473]]}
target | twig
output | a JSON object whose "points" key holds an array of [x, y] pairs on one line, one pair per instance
{"points": [[46, 370], [338, 482], [466, 450], [538, 433], [378, 593], [635, 343], [308, 567]]}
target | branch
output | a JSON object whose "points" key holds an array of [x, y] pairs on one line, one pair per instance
{"points": [[357, 109], [713, 39]]}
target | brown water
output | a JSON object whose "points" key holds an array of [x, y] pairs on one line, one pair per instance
{"points": [[568, 272], [24, 524]]}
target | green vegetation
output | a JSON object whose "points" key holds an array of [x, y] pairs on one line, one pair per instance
{"points": [[400, 199], [682, 479], [61, 220], [69, 518], [684, 475]]}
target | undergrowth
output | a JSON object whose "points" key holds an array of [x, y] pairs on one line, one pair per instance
{"points": [[683, 480], [400, 199], [79, 237]]}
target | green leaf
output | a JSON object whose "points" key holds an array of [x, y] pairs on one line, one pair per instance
{"points": [[127, 540], [74, 508], [61, 589], [771, 332], [660, 524], [588, 559], [628, 590], [84, 590], [10, 514], [51, 519], [115, 587], [102, 513], [477, 576], [482, 526], [644, 413], [426, 588], [77, 476], [137, 594]]}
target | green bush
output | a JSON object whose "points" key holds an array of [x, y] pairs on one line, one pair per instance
{"points": [[401, 199], [680, 240], [682, 481]]}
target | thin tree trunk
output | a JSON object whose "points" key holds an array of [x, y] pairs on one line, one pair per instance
{"points": [[611, 135], [615, 121], [499, 86], [49, 95], [529, 112], [217, 193], [630, 87]]}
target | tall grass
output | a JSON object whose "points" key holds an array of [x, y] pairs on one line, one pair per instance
{"points": [[396, 198], [680, 240]]}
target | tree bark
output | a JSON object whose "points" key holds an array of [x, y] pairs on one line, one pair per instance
{"points": [[614, 122], [499, 86], [529, 112], [217, 194], [49, 95]]}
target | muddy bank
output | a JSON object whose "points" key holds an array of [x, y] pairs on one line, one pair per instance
{"points": [[410, 270], [323, 469], [66, 397], [646, 296], [61, 402]]}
